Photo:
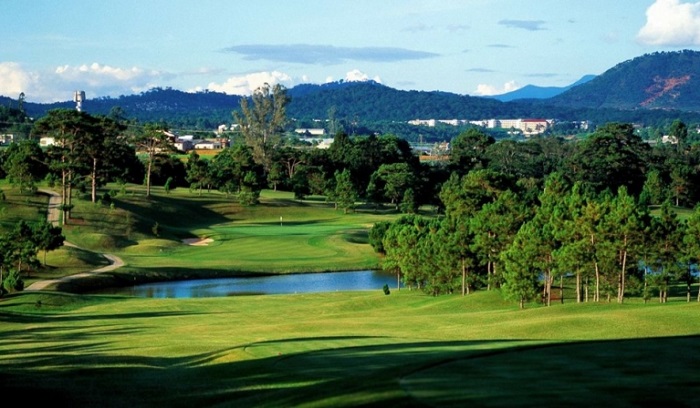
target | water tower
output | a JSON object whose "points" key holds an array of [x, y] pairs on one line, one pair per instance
{"points": [[78, 98]]}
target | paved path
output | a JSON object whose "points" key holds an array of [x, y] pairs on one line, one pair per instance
{"points": [[53, 217]]}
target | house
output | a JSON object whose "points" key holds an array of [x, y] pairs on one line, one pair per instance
{"points": [[183, 145], [47, 141], [209, 145], [6, 138], [310, 131]]}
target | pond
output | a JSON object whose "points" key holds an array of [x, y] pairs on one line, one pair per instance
{"points": [[260, 285]]}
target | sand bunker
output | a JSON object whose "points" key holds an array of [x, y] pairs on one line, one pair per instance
{"points": [[197, 241]]}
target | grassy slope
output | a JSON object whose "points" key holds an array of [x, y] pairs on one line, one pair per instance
{"points": [[312, 236], [16, 207], [33, 208], [346, 349]]}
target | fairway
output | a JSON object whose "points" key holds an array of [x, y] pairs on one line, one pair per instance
{"points": [[345, 349], [280, 235]]}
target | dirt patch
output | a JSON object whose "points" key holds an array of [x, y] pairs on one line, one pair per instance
{"points": [[197, 241]]}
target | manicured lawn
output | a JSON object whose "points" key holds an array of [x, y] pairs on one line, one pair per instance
{"points": [[20, 206], [346, 349], [280, 235]]}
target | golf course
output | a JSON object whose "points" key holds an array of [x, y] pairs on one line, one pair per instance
{"points": [[354, 348]]}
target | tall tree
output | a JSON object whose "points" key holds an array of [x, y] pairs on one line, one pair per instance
{"points": [[390, 182], [464, 196], [101, 146], [456, 252], [679, 131], [625, 225], [494, 226], [262, 123], [47, 237], [667, 233], [468, 150], [344, 192], [69, 129], [152, 141], [24, 164], [691, 242], [524, 262], [198, 173], [611, 157]]}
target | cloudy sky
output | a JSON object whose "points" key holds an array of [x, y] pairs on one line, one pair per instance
{"points": [[476, 47]]}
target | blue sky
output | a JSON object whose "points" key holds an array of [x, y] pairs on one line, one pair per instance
{"points": [[476, 47]]}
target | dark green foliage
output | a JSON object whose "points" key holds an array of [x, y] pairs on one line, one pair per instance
{"points": [[18, 251], [344, 192], [468, 151], [376, 235], [168, 167], [156, 229], [24, 164], [611, 157], [14, 121]]}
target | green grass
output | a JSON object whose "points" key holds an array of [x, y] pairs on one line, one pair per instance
{"points": [[311, 237], [346, 349], [20, 206]]}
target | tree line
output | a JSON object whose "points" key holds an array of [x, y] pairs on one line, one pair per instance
{"points": [[600, 214]]}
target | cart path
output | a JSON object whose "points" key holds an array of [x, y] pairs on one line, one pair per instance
{"points": [[53, 217]]}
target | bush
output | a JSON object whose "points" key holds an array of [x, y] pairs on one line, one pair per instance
{"points": [[106, 199], [13, 282]]}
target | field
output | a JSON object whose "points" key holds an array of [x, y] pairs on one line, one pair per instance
{"points": [[346, 349], [281, 235], [316, 350]]}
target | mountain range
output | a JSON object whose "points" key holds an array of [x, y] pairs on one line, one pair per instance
{"points": [[652, 87], [539, 92]]}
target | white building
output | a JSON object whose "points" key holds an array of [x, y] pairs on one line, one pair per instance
{"points": [[310, 131]]}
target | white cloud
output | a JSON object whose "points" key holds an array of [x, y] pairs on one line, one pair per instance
{"points": [[672, 23], [246, 84], [358, 76], [15, 80], [58, 84], [488, 90], [106, 80]]}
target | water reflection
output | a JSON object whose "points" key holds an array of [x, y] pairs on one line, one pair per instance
{"points": [[278, 284]]}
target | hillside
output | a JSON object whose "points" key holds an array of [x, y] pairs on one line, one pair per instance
{"points": [[669, 80], [158, 104]]}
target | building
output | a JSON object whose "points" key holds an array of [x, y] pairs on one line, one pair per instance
{"points": [[210, 144], [47, 141], [6, 138], [310, 131]]}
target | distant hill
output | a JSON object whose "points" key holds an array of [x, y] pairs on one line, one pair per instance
{"points": [[649, 89], [662, 80], [158, 104], [371, 101], [539, 92]]}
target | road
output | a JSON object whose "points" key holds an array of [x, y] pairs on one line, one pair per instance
{"points": [[53, 216]]}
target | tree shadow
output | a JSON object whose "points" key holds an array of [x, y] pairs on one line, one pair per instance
{"points": [[358, 371]]}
